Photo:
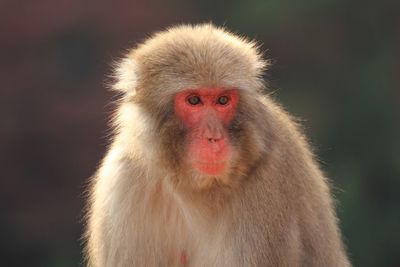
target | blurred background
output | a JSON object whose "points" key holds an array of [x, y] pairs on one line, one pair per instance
{"points": [[336, 65]]}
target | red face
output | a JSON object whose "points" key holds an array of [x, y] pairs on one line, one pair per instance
{"points": [[206, 114]]}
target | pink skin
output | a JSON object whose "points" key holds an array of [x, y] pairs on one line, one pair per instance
{"points": [[208, 144]]}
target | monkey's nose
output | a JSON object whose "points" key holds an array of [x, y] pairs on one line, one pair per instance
{"points": [[213, 140], [212, 134], [213, 137]]}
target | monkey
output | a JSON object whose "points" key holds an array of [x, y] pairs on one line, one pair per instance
{"points": [[204, 167]]}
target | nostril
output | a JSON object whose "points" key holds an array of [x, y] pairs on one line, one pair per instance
{"points": [[213, 140]]}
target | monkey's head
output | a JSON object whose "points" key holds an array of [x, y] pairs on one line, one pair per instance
{"points": [[195, 95]]}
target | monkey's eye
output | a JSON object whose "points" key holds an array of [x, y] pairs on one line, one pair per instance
{"points": [[223, 100], [194, 100]]}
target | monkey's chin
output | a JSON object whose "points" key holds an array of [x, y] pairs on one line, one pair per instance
{"points": [[210, 168]]}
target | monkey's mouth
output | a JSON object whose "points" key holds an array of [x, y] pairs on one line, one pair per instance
{"points": [[211, 168]]}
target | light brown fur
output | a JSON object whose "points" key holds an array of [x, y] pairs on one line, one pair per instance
{"points": [[273, 208]]}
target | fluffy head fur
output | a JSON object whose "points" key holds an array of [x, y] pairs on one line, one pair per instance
{"points": [[196, 56]]}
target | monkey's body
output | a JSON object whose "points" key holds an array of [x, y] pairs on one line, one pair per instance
{"points": [[270, 206]]}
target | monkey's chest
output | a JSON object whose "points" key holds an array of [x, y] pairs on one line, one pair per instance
{"points": [[164, 232], [174, 242], [171, 234]]}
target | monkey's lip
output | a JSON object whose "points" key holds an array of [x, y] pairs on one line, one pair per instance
{"points": [[211, 168]]}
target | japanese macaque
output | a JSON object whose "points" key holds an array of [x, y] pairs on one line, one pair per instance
{"points": [[204, 168]]}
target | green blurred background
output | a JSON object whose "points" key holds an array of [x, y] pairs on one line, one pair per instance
{"points": [[335, 66]]}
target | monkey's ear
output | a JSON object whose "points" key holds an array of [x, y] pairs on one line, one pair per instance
{"points": [[126, 74]]}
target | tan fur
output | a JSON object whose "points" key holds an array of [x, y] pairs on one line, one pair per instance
{"points": [[273, 208]]}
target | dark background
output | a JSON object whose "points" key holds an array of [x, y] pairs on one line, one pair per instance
{"points": [[336, 66]]}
